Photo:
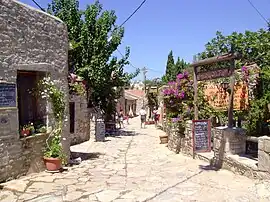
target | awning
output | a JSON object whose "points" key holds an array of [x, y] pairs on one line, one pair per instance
{"points": [[130, 97]]}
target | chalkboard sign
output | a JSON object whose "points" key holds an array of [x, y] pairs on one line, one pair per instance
{"points": [[8, 97], [201, 136]]}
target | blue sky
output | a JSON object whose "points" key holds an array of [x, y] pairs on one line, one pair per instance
{"points": [[183, 26]]}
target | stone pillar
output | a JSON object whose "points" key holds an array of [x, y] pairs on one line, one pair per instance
{"points": [[264, 154], [180, 141], [187, 147], [174, 137], [234, 139], [227, 141], [99, 127]]}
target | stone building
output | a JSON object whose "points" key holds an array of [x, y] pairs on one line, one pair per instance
{"points": [[79, 119], [134, 99], [32, 44]]}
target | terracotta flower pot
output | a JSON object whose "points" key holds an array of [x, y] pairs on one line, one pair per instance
{"points": [[52, 164], [163, 139], [25, 133]]}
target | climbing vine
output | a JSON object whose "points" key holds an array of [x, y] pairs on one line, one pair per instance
{"points": [[48, 90]]}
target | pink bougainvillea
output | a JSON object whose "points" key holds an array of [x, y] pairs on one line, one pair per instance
{"points": [[179, 97]]}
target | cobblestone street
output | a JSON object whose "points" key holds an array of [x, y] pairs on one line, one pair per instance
{"points": [[134, 167]]}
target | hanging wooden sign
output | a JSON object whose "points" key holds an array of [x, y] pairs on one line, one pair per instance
{"points": [[214, 74]]}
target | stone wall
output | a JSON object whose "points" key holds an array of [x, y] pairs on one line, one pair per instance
{"points": [[180, 141], [82, 120], [30, 40], [264, 154], [27, 157]]}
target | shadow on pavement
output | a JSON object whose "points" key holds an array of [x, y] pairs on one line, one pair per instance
{"points": [[208, 168], [85, 156], [118, 133]]}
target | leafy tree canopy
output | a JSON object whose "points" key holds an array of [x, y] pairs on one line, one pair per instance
{"points": [[169, 68], [94, 36], [172, 68]]}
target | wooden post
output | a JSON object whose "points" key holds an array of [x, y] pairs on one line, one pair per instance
{"points": [[230, 109], [195, 86]]}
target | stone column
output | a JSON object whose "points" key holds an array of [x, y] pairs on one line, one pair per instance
{"points": [[264, 154], [187, 147], [100, 127], [227, 141]]}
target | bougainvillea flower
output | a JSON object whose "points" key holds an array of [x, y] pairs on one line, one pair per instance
{"points": [[186, 74], [180, 76], [182, 95], [244, 68]]}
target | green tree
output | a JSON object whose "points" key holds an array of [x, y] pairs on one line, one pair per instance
{"points": [[180, 66], [170, 69], [94, 36], [254, 48], [68, 11]]}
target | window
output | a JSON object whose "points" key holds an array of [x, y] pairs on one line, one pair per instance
{"points": [[72, 117], [32, 109]]}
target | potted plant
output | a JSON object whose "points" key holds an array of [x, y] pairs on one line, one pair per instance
{"points": [[28, 129], [54, 156]]}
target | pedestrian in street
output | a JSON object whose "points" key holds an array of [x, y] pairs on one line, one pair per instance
{"points": [[127, 118], [155, 113], [143, 116], [117, 119], [121, 119]]}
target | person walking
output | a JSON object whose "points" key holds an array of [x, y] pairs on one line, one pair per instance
{"points": [[155, 113], [121, 119], [143, 116]]}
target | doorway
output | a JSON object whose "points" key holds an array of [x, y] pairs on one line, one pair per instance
{"points": [[32, 109]]}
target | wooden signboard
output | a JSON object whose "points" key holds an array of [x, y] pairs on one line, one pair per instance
{"points": [[8, 95], [214, 74], [219, 99], [201, 135]]}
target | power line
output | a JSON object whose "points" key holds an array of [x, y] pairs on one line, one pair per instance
{"points": [[150, 69], [38, 6], [128, 61], [260, 14], [135, 11]]}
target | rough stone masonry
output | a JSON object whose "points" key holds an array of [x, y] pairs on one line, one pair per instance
{"points": [[30, 40]]}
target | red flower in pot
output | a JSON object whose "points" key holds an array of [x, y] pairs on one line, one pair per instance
{"points": [[27, 130]]}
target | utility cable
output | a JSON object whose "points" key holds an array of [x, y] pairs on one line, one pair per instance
{"points": [[135, 11], [38, 6], [257, 10]]}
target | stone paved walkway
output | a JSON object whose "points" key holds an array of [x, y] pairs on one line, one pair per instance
{"points": [[135, 167]]}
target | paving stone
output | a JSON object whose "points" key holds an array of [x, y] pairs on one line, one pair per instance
{"points": [[49, 178], [26, 196], [72, 196], [16, 185], [7, 196], [107, 195], [136, 168], [48, 198]]}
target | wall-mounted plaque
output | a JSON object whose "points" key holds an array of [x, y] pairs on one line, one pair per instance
{"points": [[8, 95]]}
